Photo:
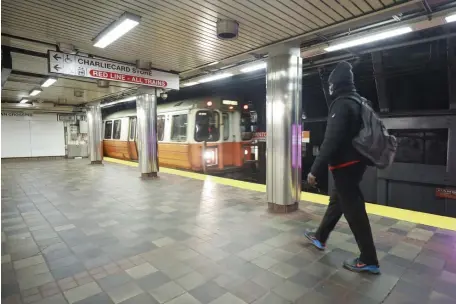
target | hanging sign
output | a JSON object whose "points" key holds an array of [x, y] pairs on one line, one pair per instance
{"points": [[16, 113], [445, 193], [74, 65], [66, 117]]}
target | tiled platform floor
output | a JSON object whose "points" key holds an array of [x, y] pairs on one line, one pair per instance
{"points": [[98, 234]]}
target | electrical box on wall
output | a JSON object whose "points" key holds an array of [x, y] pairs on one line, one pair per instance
{"points": [[83, 127]]}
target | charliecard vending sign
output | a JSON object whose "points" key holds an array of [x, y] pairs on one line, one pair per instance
{"points": [[73, 65]]}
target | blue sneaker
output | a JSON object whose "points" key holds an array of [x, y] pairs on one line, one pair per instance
{"points": [[356, 265], [311, 237]]}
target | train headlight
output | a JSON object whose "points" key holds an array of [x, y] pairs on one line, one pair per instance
{"points": [[210, 156]]}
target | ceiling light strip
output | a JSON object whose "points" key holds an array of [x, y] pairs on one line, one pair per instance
{"points": [[114, 31], [369, 39]]}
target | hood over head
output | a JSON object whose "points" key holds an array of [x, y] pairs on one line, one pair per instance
{"points": [[341, 79]]}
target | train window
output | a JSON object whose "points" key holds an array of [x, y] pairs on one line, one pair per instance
{"points": [[132, 128], [427, 147], [226, 126], [160, 127], [116, 132], [207, 126], [108, 129], [179, 128]]}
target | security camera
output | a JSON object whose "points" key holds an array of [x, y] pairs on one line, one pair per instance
{"points": [[164, 96]]}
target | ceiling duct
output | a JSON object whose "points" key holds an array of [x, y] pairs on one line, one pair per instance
{"points": [[227, 29], [43, 104], [101, 83], [143, 64], [79, 93]]}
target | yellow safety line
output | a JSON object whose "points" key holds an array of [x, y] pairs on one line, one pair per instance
{"points": [[386, 211]]}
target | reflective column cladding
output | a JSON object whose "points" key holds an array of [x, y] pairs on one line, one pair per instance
{"points": [[283, 127], [146, 107], [94, 122]]}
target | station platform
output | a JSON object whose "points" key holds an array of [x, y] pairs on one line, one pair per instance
{"points": [[75, 233]]}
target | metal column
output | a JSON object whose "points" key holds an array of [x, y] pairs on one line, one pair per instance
{"points": [[94, 122], [283, 126], [146, 108], [380, 83]]}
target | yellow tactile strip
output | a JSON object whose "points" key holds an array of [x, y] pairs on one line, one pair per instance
{"points": [[391, 212]]}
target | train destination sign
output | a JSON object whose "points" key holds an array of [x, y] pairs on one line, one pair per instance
{"points": [[74, 65]]}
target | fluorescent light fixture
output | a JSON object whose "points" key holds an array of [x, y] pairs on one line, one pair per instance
{"points": [[115, 30], [189, 84], [127, 99], [450, 18], [48, 82], [35, 92], [24, 100], [369, 39], [254, 67], [215, 77], [213, 63]]}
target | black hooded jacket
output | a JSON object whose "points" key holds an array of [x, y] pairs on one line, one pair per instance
{"points": [[344, 123]]}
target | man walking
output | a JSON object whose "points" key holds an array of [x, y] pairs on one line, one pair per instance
{"points": [[347, 167]]}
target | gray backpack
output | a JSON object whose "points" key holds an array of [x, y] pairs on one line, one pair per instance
{"points": [[373, 140]]}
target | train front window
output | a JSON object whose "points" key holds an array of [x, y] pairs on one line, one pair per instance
{"points": [[207, 126], [117, 125], [160, 127], [179, 128], [108, 129], [226, 126]]}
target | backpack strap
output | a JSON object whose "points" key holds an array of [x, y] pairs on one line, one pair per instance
{"points": [[352, 96]]}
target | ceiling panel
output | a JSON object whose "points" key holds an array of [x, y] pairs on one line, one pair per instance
{"points": [[177, 34], [351, 7]]}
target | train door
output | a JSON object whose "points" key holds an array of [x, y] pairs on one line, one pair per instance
{"points": [[132, 139]]}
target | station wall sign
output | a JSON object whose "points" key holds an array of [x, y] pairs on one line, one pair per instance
{"points": [[74, 65], [445, 193]]}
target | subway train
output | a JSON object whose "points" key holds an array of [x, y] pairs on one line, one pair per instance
{"points": [[202, 135]]}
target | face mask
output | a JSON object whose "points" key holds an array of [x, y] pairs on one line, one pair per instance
{"points": [[331, 89]]}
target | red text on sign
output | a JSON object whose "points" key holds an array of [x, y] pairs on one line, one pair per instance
{"points": [[128, 78]]}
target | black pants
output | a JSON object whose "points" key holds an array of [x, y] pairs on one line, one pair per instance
{"points": [[347, 199]]}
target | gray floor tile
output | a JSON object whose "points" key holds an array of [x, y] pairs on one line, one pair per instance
{"points": [[228, 298], [143, 298], [248, 291], [82, 292], [112, 281], [207, 292], [167, 292], [124, 292], [184, 299], [290, 290], [152, 281], [172, 233], [101, 298], [271, 298]]}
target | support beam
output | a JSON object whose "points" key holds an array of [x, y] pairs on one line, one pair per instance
{"points": [[7, 64], [283, 127], [325, 87], [380, 82], [94, 122], [451, 57], [146, 108]]}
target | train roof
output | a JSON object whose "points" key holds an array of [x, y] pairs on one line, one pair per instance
{"points": [[187, 104]]}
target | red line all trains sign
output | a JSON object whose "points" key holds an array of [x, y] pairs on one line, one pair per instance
{"points": [[73, 65]]}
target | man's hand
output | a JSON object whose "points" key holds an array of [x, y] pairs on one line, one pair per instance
{"points": [[311, 179]]}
